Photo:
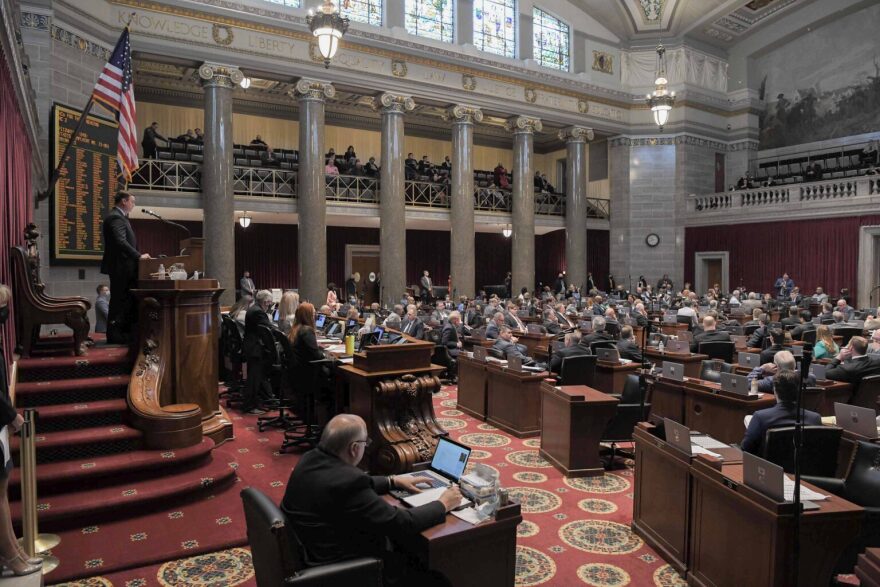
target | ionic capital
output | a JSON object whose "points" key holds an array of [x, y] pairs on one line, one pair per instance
{"points": [[389, 103], [463, 113], [524, 124], [312, 89], [219, 75], [576, 134]]}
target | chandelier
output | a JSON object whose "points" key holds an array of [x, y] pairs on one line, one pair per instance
{"points": [[661, 100], [328, 26]]}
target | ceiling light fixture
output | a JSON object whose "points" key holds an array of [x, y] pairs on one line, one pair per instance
{"points": [[328, 26], [245, 220], [507, 231], [661, 100], [245, 82]]}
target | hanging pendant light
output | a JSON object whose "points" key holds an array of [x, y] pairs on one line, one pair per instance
{"points": [[245, 220], [328, 26], [506, 231], [661, 100]]}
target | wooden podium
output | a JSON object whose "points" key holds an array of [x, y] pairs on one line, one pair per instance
{"points": [[192, 258], [173, 391]]}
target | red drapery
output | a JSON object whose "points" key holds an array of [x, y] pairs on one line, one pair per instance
{"points": [[815, 253], [15, 182], [268, 251]]}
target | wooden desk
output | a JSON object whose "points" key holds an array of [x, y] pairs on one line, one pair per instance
{"points": [[472, 387], [573, 418], [692, 362], [514, 401], [740, 537], [666, 398], [868, 568], [832, 392], [469, 342], [471, 556], [661, 502], [672, 329], [611, 377], [718, 413], [537, 344]]}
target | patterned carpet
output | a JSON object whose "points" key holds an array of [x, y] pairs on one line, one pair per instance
{"points": [[575, 531]]}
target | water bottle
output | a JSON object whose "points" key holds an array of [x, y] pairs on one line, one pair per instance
{"points": [[161, 271], [754, 386], [660, 347]]}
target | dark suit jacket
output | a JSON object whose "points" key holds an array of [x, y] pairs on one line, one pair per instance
{"points": [[511, 349], [426, 285], [253, 319], [710, 336], [790, 321], [449, 337], [782, 414], [770, 352], [120, 245], [552, 327], [628, 349], [569, 351], [492, 330], [854, 370], [416, 330], [595, 337], [102, 313], [640, 319], [337, 512], [756, 340], [797, 333]]}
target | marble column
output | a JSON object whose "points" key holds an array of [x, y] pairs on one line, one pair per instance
{"points": [[576, 138], [311, 204], [218, 199], [462, 255], [392, 204], [523, 204]]}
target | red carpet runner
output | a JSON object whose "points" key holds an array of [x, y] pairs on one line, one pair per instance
{"points": [[576, 531]]}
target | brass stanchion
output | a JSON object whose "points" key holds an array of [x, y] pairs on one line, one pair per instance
{"points": [[34, 543]]}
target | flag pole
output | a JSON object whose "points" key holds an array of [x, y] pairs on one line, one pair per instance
{"points": [[56, 173]]}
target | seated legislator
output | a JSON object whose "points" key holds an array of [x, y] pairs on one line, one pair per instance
{"points": [[627, 347], [551, 321], [494, 327], [411, 324], [793, 319], [598, 333], [844, 308], [337, 511], [853, 363], [820, 297], [507, 344], [806, 325], [785, 386], [783, 361], [571, 349], [303, 344], [640, 315], [449, 335], [777, 339], [756, 340], [709, 334], [257, 390], [872, 322], [825, 346], [756, 318]]}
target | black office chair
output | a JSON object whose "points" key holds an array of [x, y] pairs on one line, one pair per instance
{"points": [[847, 333], [631, 410], [602, 344], [613, 329], [231, 348], [820, 447], [861, 486], [280, 559], [809, 336], [685, 320], [442, 357], [718, 350], [578, 371], [867, 394], [281, 385], [493, 352], [308, 432], [750, 329], [711, 370]]}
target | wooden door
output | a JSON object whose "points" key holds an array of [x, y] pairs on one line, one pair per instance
{"points": [[366, 263], [713, 273]]}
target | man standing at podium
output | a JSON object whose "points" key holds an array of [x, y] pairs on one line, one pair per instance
{"points": [[120, 262]]}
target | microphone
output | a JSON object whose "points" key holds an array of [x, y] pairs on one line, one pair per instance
{"points": [[151, 213], [158, 217]]}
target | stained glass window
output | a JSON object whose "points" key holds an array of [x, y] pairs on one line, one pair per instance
{"points": [[291, 3], [495, 26], [551, 47], [366, 11], [432, 19]]}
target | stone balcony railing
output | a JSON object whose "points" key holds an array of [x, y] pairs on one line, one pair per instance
{"points": [[844, 196], [162, 176]]}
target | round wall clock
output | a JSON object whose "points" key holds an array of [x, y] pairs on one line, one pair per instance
{"points": [[652, 240]]}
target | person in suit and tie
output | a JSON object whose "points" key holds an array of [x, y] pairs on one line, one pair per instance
{"points": [[756, 340], [411, 324], [783, 286], [120, 262], [785, 386], [559, 285], [777, 340], [627, 347], [102, 308], [793, 319], [440, 314], [512, 319], [246, 284], [151, 133], [640, 315], [853, 363], [253, 347], [806, 325], [709, 334], [493, 330], [572, 348], [551, 321], [449, 335], [591, 283], [507, 344], [427, 287], [598, 333]]}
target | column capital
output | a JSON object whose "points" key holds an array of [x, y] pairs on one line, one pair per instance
{"points": [[524, 124], [576, 134], [389, 103], [312, 89], [219, 75], [463, 113]]}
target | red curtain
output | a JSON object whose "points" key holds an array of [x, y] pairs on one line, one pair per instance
{"points": [[15, 187], [550, 255], [815, 253]]}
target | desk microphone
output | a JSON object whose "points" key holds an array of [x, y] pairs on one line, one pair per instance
{"points": [[158, 217]]}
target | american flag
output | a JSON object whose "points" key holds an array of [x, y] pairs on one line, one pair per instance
{"points": [[115, 90]]}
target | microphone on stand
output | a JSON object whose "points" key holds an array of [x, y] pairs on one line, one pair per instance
{"points": [[172, 223]]}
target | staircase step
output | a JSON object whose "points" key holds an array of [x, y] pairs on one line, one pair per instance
{"points": [[83, 443], [66, 391], [68, 475], [83, 415], [100, 361], [124, 498]]}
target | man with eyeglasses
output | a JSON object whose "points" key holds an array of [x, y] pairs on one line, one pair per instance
{"points": [[337, 511]]}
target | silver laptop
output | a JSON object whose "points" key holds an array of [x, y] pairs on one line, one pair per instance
{"points": [[764, 477], [750, 360], [674, 371], [447, 466], [732, 383], [515, 364], [818, 370], [796, 350], [480, 353], [608, 355], [856, 419], [678, 346], [678, 435], [670, 319]]}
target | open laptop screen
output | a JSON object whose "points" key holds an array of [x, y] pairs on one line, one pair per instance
{"points": [[320, 320], [450, 458]]}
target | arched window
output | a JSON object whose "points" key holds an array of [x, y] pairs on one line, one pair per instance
{"points": [[432, 19], [495, 26], [551, 47], [366, 11], [291, 3]]}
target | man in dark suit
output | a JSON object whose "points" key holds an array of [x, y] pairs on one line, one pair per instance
{"points": [[572, 348], [253, 348], [640, 315], [427, 288], [756, 340], [493, 330], [102, 308], [151, 133], [559, 285], [793, 319], [246, 284], [844, 308], [512, 319], [709, 334], [627, 347], [120, 262], [783, 286], [551, 321], [785, 386], [827, 314], [806, 325], [411, 324], [507, 344], [449, 334], [853, 364], [598, 333], [777, 339], [337, 511]]}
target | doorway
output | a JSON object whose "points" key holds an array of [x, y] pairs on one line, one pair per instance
{"points": [[869, 267], [364, 259], [711, 268]]}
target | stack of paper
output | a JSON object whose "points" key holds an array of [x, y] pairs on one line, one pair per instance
{"points": [[806, 494]]}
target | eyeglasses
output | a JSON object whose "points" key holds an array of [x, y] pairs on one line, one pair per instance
{"points": [[367, 442]]}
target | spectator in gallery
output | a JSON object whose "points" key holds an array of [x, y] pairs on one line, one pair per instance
{"points": [[500, 177], [187, 137], [102, 308], [331, 154], [357, 169], [151, 134], [258, 140], [411, 167], [548, 187], [870, 155], [200, 136], [770, 182], [539, 184], [813, 173], [446, 165], [371, 169], [350, 154], [330, 168]]}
